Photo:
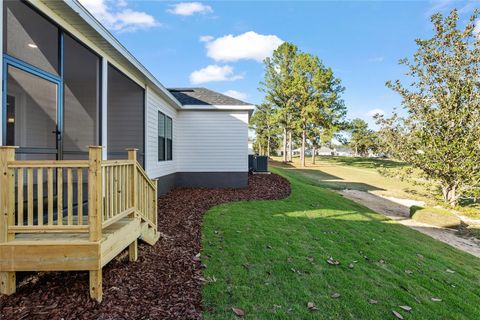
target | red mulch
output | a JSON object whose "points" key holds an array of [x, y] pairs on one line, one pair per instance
{"points": [[165, 281]]}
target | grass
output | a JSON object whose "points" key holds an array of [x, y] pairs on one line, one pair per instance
{"points": [[435, 216], [268, 258], [339, 173], [361, 162], [357, 173]]}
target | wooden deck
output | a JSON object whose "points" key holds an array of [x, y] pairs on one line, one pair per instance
{"points": [[61, 229]]}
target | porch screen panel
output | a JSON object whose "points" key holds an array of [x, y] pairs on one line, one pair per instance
{"points": [[125, 116], [31, 112], [30, 37], [81, 104]]}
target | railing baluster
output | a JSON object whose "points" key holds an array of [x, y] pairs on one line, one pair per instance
{"points": [[40, 196], [119, 191], [69, 197], [50, 195], [59, 196], [124, 206], [80, 196], [108, 205], [30, 196], [20, 187], [110, 212]]}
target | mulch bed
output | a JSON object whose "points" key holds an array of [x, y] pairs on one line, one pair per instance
{"points": [[165, 282]]}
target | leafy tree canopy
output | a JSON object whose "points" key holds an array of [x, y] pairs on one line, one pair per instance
{"points": [[440, 133]]}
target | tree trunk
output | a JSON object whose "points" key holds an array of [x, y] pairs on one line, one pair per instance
{"points": [[290, 147], [450, 194], [285, 144], [302, 155], [268, 145], [313, 154]]}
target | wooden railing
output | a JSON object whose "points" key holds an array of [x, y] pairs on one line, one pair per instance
{"points": [[147, 197], [118, 188], [39, 196]]}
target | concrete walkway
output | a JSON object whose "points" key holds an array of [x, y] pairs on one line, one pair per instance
{"points": [[399, 210]]}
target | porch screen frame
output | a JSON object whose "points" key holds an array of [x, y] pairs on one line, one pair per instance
{"points": [[57, 79]]}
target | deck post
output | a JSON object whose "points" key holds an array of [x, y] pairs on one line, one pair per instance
{"points": [[155, 203], [133, 251], [95, 193], [132, 155], [96, 288], [7, 211], [95, 200]]}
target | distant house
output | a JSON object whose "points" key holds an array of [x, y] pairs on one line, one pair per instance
{"points": [[325, 151], [344, 151]]}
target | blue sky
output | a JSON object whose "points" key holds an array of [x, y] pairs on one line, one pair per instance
{"points": [[219, 44]]}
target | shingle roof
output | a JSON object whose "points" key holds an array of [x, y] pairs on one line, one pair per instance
{"points": [[203, 96]]}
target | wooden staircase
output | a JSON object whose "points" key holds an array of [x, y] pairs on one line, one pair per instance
{"points": [[46, 229]]}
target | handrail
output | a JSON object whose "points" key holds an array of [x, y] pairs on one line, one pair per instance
{"points": [[48, 164], [144, 174]]}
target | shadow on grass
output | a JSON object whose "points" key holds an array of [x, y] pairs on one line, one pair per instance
{"points": [[280, 164], [320, 178], [361, 162]]}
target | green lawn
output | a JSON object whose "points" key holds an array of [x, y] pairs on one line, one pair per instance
{"points": [[269, 258], [358, 173]]}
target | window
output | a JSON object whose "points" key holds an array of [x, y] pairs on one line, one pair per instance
{"points": [[30, 37], [165, 137], [169, 138], [161, 136]]}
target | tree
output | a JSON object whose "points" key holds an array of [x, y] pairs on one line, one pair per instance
{"points": [[441, 132], [277, 84], [362, 139], [319, 136], [263, 121], [317, 97]]}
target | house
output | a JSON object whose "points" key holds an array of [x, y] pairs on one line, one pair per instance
{"points": [[98, 137], [344, 151], [326, 151], [68, 84]]}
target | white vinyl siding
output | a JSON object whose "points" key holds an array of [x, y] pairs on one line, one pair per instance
{"points": [[155, 104], [212, 141]]}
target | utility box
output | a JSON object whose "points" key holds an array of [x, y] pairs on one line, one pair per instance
{"points": [[261, 164], [257, 164]]}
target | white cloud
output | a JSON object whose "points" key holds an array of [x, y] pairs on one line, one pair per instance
{"points": [[249, 45], [236, 94], [214, 73], [206, 38], [373, 112], [190, 8], [115, 15]]}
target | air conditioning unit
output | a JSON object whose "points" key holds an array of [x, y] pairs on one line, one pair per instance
{"points": [[257, 164]]}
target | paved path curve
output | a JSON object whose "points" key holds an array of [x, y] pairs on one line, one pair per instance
{"points": [[398, 210]]}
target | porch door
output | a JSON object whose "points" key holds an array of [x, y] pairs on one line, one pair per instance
{"points": [[32, 113]]}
